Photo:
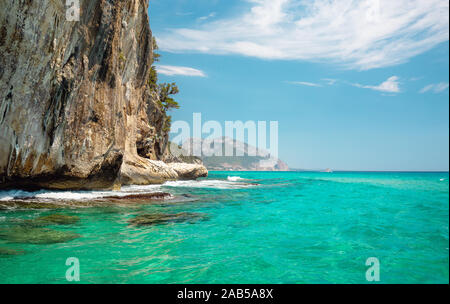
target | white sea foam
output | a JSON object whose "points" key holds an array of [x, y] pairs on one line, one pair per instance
{"points": [[126, 190], [140, 188], [60, 195], [76, 195], [68, 195], [212, 184], [234, 178], [11, 194]]}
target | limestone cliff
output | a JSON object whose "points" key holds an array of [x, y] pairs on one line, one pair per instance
{"points": [[75, 107]]}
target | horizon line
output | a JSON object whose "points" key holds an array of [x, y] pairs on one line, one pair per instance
{"points": [[322, 171]]}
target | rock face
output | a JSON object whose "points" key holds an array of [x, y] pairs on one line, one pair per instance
{"points": [[189, 171], [75, 107]]}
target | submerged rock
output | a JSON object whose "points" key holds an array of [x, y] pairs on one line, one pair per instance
{"points": [[141, 196], [4, 251], [162, 218], [133, 199], [48, 204], [52, 219], [107, 201], [59, 219], [33, 235]]}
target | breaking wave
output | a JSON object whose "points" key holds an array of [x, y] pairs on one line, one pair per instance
{"points": [[230, 183], [76, 195], [211, 184]]}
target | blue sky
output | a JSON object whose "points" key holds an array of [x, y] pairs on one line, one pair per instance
{"points": [[354, 85]]}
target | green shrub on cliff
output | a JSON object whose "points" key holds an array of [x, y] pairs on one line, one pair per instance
{"points": [[164, 90], [167, 124], [153, 74], [155, 48], [153, 79]]}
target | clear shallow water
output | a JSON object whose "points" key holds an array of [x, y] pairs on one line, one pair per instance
{"points": [[291, 227]]}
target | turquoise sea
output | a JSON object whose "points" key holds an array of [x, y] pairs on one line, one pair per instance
{"points": [[243, 227]]}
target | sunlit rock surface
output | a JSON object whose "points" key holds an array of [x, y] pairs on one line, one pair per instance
{"points": [[189, 171]]}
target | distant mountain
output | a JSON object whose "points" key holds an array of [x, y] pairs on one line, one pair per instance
{"points": [[252, 159]]}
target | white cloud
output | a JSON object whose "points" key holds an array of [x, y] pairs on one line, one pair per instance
{"points": [[391, 85], [435, 88], [179, 70], [330, 81], [357, 34], [304, 83], [212, 15]]}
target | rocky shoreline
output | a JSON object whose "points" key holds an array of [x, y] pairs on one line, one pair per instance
{"points": [[76, 110]]}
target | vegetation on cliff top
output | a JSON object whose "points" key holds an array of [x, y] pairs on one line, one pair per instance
{"points": [[163, 90]]}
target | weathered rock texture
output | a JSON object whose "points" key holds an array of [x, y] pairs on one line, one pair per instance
{"points": [[189, 171], [75, 107]]}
